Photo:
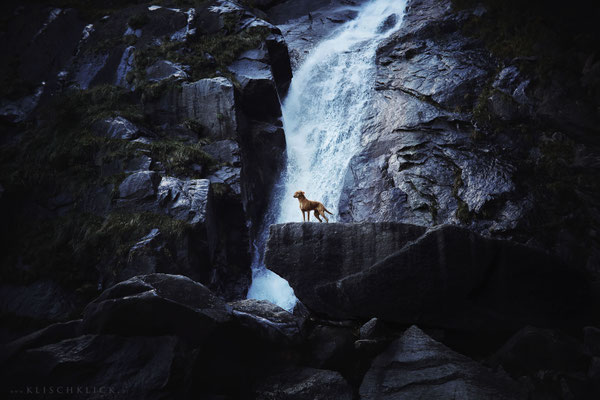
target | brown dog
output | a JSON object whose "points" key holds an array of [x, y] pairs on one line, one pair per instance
{"points": [[309, 205]]}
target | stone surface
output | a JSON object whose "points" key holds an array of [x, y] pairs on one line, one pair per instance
{"points": [[225, 151], [210, 102], [117, 128], [163, 69], [419, 164], [156, 304], [449, 277], [186, 200], [304, 384], [268, 321], [416, 366], [138, 186]]}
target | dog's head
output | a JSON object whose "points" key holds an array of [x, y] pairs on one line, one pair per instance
{"points": [[298, 194]]}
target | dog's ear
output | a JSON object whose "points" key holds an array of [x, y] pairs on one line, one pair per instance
{"points": [[301, 192]]}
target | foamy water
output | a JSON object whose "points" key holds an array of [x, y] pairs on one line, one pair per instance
{"points": [[322, 116]]}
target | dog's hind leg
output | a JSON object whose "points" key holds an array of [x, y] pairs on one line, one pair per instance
{"points": [[324, 216], [317, 216]]}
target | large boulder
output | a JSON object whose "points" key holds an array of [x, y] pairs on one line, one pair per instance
{"points": [[416, 366], [157, 304], [449, 277]]}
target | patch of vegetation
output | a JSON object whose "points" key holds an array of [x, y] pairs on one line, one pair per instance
{"points": [[178, 157], [138, 21], [222, 47]]}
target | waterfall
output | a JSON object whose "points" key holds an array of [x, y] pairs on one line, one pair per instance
{"points": [[322, 118]]}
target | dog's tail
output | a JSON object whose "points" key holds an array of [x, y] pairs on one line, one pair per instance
{"points": [[326, 210]]}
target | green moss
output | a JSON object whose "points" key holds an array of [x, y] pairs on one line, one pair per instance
{"points": [[462, 212]]}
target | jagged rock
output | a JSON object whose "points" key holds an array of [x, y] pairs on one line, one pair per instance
{"points": [[210, 102], [420, 165], [138, 186], [416, 366], [103, 365], [117, 128], [268, 321], [229, 176], [156, 304], [532, 349], [225, 151], [186, 200], [304, 384], [164, 69], [449, 277], [259, 97]]}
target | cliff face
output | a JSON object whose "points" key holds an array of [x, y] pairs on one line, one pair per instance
{"points": [[141, 143], [137, 138], [458, 135]]}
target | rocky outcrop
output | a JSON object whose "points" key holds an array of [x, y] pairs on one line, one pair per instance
{"points": [[419, 163], [210, 102], [449, 277], [416, 366]]}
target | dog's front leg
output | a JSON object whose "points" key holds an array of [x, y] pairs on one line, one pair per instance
{"points": [[308, 215], [303, 218]]}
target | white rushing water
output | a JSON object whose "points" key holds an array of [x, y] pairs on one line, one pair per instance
{"points": [[322, 117]]}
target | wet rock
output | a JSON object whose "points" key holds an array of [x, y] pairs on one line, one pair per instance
{"points": [[225, 151], [139, 163], [416, 366], [138, 186], [156, 304], [268, 321], [163, 69], [388, 24], [304, 384], [117, 128], [263, 152], [449, 277], [532, 349]]}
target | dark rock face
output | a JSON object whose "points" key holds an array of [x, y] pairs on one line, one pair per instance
{"points": [[448, 277], [156, 304], [268, 320], [532, 349], [416, 366], [419, 164], [304, 384]]}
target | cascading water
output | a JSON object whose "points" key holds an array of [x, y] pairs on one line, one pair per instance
{"points": [[322, 117]]}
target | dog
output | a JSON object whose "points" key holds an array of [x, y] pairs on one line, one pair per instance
{"points": [[309, 205]]}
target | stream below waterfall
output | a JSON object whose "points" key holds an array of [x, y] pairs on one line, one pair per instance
{"points": [[323, 114]]}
